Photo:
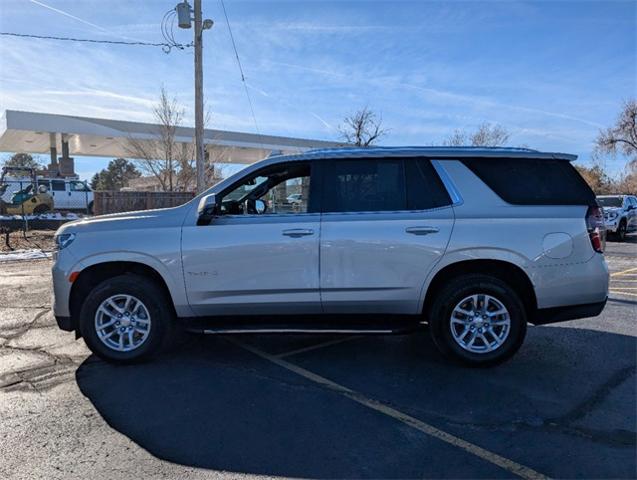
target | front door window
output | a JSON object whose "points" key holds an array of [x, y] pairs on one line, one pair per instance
{"points": [[282, 190]]}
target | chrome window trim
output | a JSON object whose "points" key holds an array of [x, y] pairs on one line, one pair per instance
{"points": [[454, 194]]}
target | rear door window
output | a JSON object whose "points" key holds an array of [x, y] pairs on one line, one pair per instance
{"points": [[425, 190], [365, 185], [58, 185], [533, 181], [382, 185]]}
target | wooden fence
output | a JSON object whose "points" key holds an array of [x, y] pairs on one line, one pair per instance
{"points": [[115, 202]]}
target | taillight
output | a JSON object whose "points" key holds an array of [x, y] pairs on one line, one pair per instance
{"points": [[595, 227]]}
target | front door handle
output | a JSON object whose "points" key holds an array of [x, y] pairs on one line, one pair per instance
{"points": [[422, 230], [298, 232]]}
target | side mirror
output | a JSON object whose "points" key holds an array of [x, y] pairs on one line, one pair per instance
{"points": [[208, 209], [260, 206]]}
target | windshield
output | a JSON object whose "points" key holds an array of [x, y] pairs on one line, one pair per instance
{"points": [[610, 201]]}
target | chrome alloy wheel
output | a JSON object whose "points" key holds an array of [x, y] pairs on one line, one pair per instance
{"points": [[480, 323], [122, 323]]}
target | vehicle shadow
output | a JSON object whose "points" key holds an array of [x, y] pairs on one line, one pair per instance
{"points": [[214, 405]]}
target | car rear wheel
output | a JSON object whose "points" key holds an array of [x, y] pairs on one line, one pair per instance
{"points": [[40, 209], [621, 231], [478, 320], [125, 319]]}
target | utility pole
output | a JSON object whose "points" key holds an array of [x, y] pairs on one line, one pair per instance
{"points": [[199, 159], [183, 13]]}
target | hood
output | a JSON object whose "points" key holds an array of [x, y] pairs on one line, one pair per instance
{"points": [[163, 217], [612, 210]]}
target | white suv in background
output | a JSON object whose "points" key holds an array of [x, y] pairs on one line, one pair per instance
{"points": [[474, 242], [620, 214]]}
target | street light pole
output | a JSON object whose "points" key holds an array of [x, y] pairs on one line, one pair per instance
{"points": [[199, 145]]}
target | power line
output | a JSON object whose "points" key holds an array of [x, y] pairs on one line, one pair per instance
{"points": [[243, 79], [165, 46]]}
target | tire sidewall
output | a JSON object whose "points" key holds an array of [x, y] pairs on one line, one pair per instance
{"points": [[621, 231], [443, 308], [149, 294]]}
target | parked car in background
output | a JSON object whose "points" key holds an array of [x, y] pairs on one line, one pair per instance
{"points": [[295, 198], [620, 214], [69, 194], [476, 242]]}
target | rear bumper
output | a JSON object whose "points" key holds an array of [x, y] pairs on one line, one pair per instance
{"points": [[572, 312]]}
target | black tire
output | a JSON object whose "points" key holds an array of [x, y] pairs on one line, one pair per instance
{"points": [[621, 231], [452, 294], [40, 209], [153, 298]]}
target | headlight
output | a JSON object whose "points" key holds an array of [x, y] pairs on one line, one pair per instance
{"points": [[612, 215], [64, 240]]}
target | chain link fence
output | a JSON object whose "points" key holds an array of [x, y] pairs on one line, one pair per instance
{"points": [[27, 208], [29, 211]]}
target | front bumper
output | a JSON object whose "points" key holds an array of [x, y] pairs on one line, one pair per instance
{"points": [[544, 316], [611, 225]]}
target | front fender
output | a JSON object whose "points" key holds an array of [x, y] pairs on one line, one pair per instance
{"points": [[173, 279]]}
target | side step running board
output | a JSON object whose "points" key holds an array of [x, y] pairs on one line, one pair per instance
{"points": [[336, 331], [300, 325]]}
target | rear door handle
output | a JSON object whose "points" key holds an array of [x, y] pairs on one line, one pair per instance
{"points": [[422, 230], [298, 232]]}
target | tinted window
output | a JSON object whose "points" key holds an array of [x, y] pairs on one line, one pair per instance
{"points": [[610, 201], [425, 190], [370, 185], [533, 181], [58, 185], [384, 184]]}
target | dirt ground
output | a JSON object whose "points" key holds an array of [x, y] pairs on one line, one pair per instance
{"points": [[41, 239]]}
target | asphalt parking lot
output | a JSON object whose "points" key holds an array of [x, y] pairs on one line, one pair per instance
{"points": [[318, 407]]}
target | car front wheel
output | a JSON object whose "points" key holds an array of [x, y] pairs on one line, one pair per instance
{"points": [[125, 319], [478, 320]]}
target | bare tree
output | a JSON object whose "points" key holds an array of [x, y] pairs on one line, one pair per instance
{"points": [[169, 161], [486, 135], [158, 156], [621, 137], [363, 128]]}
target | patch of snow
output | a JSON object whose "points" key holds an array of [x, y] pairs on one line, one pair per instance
{"points": [[44, 216], [17, 255]]}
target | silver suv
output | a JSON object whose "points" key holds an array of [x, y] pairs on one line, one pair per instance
{"points": [[472, 242]]}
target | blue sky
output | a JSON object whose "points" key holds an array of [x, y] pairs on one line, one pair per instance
{"points": [[552, 72]]}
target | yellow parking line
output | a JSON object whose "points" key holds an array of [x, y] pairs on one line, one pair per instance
{"points": [[617, 274], [491, 457]]}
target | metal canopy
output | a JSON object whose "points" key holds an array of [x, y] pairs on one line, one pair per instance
{"points": [[98, 137]]}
